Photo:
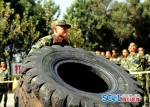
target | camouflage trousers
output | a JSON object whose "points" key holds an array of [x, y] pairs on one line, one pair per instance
{"points": [[144, 80], [148, 83], [3, 91]]}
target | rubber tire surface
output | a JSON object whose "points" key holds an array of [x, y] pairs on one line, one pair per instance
{"points": [[46, 76]]}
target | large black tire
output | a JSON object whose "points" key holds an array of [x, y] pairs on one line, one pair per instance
{"points": [[71, 77]]}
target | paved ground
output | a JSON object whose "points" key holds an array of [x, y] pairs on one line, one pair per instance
{"points": [[10, 101]]}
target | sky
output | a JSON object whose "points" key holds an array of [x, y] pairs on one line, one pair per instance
{"points": [[66, 3], [63, 6]]}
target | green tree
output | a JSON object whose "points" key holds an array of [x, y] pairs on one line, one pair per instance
{"points": [[35, 19], [5, 12], [29, 22], [109, 25], [130, 21], [90, 17]]}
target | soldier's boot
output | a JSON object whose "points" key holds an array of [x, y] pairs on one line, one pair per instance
{"points": [[5, 100]]}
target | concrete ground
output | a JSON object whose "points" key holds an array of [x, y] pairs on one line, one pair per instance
{"points": [[10, 101]]}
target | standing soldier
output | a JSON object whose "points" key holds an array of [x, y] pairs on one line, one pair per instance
{"points": [[4, 76], [98, 53], [141, 49], [145, 60], [115, 56], [108, 55], [148, 75], [134, 64], [123, 60], [103, 53], [129, 49]]}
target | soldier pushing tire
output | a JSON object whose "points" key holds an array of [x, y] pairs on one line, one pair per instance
{"points": [[72, 77]]}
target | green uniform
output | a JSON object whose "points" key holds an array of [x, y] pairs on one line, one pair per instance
{"points": [[134, 64], [115, 59], [148, 75], [48, 41], [123, 62], [52, 39], [4, 76]]}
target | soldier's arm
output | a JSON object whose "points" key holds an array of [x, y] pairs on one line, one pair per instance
{"points": [[128, 64], [148, 57], [8, 74], [118, 59], [8, 77], [40, 43]]}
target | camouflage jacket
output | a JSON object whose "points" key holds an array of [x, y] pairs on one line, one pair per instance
{"points": [[117, 59], [123, 62], [48, 41], [4, 75], [133, 62], [147, 56]]}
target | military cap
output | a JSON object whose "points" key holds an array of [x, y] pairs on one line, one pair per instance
{"points": [[59, 23]]}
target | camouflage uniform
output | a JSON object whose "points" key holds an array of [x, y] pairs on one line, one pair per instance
{"points": [[133, 65], [114, 59], [52, 39], [48, 41], [148, 75], [4, 76], [117, 59], [123, 62]]}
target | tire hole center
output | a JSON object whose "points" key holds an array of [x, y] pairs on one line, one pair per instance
{"points": [[82, 77]]}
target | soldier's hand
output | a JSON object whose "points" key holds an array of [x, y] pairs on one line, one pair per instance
{"points": [[8, 85]]}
